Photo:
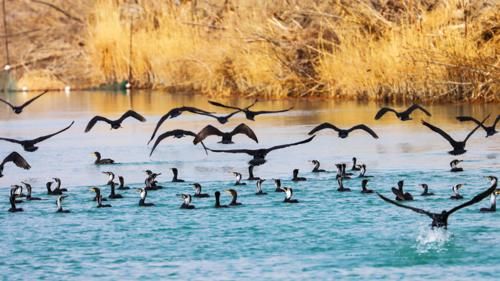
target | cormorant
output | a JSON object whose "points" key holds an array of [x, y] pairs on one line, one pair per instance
{"points": [[59, 204], [217, 201], [29, 145], [277, 183], [115, 124], [343, 133], [340, 181], [58, 187], [426, 190], [456, 192], [122, 184], [288, 195], [454, 166], [19, 109], [15, 158], [234, 194], [250, 174], [355, 166], [176, 134], [259, 187], [362, 173], [197, 191], [239, 177], [28, 195], [12, 200], [227, 137], [490, 131], [52, 192], [111, 177], [403, 115], [98, 198], [142, 201], [175, 172], [295, 176], [364, 189], [249, 114], [400, 194], [112, 194], [186, 204], [493, 196], [102, 161], [316, 168]]}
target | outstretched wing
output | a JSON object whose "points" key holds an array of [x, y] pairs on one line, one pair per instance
{"points": [[17, 159], [496, 121], [223, 105], [252, 104], [170, 134], [476, 199], [439, 131], [398, 193], [364, 128], [420, 211], [383, 111], [205, 132], [247, 151], [325, 125], [7, 103], [414, 107], [244, 129], [475, 129], [94, 120], [290, 144], [193, 110], [160, 122], [468, 118], [271, 111], [132, 114], [33, 99], [51, 135], [12, 140]]}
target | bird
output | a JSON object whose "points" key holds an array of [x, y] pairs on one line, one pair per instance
{"points": [[19, 109], [426, 190], [227, 137], [112, 194], [343, 133], [316, 168], [234, 195], [51, 191], [197, 191], [28, 194], [277, 184], [111, 177], [458, 146], [490, 130], [217, 201], [102, 161], [15, 158], [98, 198], [400, 194], [12, 199], [493, 197], [362, 173], [454, 166], [288, 195], [260, 154], [249, 114], [115, 124], [295, 176], [143, 195], [364, 189], [175, 112], [239, 177], [251, 177], [175, 172], [58, 187], [186, 204], [176, 134], [355, 166], [456, 192], [122, 184], [59, 204], [340, 181], [259, 187], [222, 119], [29, 145], [440, 220], [403, 115]]}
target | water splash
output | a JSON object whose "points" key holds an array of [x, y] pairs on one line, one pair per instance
{"points": [[432, 239]]}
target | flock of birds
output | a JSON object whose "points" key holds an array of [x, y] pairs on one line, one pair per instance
{"points": [[258, 158]]}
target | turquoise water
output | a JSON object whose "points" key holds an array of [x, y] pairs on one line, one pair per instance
{"points": [[328, 235]]}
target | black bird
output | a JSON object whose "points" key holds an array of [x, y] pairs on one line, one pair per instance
{"points": [[197, 191], [175, 172], [174, 133], [233, 194], [249, 114], [217, 201], [454, 166], [28, 195], [458, 146], [19, 109], [239, 177], [340, 181], [316, 168], [277, 184], [102, 161], [17, 190], [142, 201], [174, 112], [355, 166], [251, 177], [58, 187], [227, 137], [341, 171], [15, 158], [288, 195], [400, 194], [122, 184], [295, 176], [260, 154], [223, 119], [441, 219], [186, 204], [52, 192], [364, 189], [490, 131], [98, 198], [362, 173], [115, 124], [59, 204], [112, 194], [111, 177], [456, 192], [29, 145], [12, 200], [403, 115], [342, 132], [426, 190], [493, 197], [259, 187]]}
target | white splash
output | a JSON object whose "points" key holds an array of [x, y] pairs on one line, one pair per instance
{"points": [[432, 239]]}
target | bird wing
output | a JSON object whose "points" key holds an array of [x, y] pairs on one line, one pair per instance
{"points": [[474, 200], [439, 131], [223, 105], [271, 111], [95, 120], [252, 104], [162, 119], [420, 211], [468, 118], [365, 128], [133, 114], [51, 135], [33, 99], [7, 103], [325, 125], [247, 151], [496, 121], [398, 193], [233, 113], [475, 129], [383, 111], [244, 129], [170, 134], [193, 110], [12, 140], [290, 144], [205, 132], [17, 159], [414, 107]]}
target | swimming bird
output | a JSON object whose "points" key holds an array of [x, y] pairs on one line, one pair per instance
{"points": [[490, 130], [98, 198], [400, 194], [426, 190], [458, 146], [341, 188], [249, 114], [16, 191], [29, 145], [197, 191], [186, 204], [316, 168], [151, 182], [343, 133], [111, 177], [176, 134], [493, 196], [19, 109], [259, 187], [59, 204], [227, 137], [115, 124], [175, 172], [288, 195], [217, 201], [362, 173], [441, 219], [260, 154], [364, 189], [238, 179], [251, 177], [403, 115], [295, 176], [355, 166], [175, 112], [58, 187], [15, 158], [277, 184], [341, 171], [234, 195], [454, 166], [52, 192], [102, 161], [12, 199], [142, 201], [122, 184], [112, 194], [28, 195], [456, 192]]}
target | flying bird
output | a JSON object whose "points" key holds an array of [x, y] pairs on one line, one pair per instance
{"points": [[343, 133], [115, 124], [227, 137], [403, 115], [490, 130], [223, 119], [176, 134], [19, 109], [15, 158], [29, 145], [249, 114]]}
